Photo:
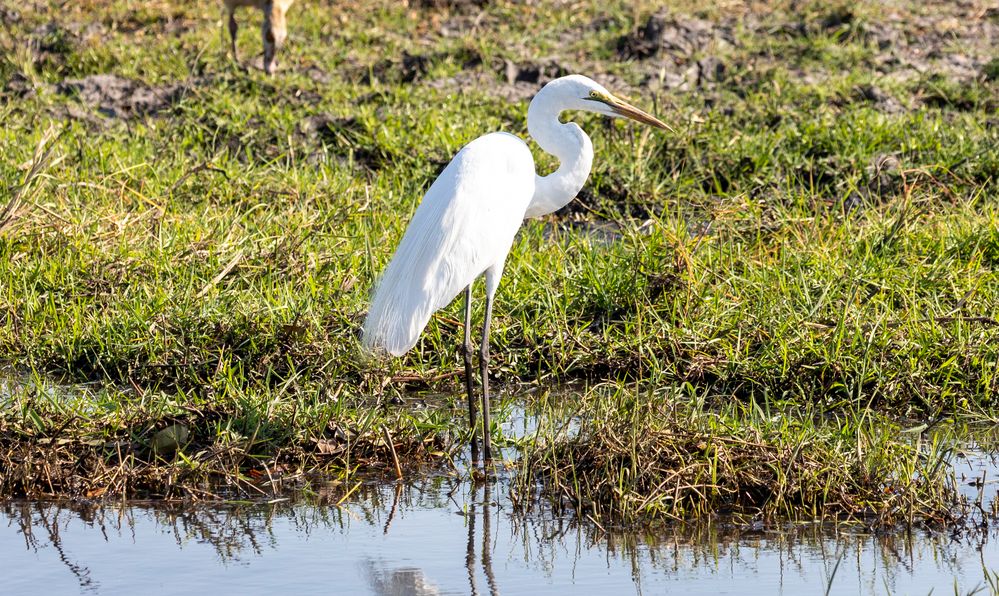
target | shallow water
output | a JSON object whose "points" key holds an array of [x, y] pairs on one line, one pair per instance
{"points": [[444, 536]]}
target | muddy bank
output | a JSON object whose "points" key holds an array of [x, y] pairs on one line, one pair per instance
{"points": [[138, 458]]}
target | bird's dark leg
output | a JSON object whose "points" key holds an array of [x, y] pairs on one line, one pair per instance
{"points": [[469, 388], [233, 28], [270, 41], [484, 366]]}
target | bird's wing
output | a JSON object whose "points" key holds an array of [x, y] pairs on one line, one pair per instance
{"points": [[465, 224]]}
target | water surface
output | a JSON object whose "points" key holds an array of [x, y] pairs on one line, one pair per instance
{"points": [[446, 536], [443, 534]]}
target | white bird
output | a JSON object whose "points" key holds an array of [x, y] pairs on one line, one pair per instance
{"points": [[467, 221]]}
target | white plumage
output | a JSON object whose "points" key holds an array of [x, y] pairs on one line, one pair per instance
{"points": [[464, 225]]}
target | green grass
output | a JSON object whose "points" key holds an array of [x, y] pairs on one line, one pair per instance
{"points": [[796, 242], [94, 441], [663, 455]]}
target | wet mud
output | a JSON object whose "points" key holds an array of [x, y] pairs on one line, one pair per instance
{"points": [[678, 36]]}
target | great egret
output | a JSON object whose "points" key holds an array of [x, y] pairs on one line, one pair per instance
{"points": [[466, 223]]}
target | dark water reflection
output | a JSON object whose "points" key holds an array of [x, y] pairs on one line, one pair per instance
{"points": [[442, 536]]}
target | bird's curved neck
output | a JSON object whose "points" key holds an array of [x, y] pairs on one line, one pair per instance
{"points": [[569, 144]]}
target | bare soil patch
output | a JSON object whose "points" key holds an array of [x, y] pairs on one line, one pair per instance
{"points": [[324, 131], [119, 97]]}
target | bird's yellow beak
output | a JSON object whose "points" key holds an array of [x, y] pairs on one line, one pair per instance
{"points": [[623, 108], [627, 110]]}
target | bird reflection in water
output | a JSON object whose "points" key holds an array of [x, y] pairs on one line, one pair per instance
{"points": [[402, 581], [539, 546], [411, 581], [487, 551]]}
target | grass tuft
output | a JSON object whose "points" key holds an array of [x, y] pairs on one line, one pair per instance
{"points": [[663, 456]]}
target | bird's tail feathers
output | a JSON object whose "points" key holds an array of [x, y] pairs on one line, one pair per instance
{"points": [[399, 312]]}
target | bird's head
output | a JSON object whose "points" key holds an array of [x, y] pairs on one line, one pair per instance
{"points": [[577, 92]]}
